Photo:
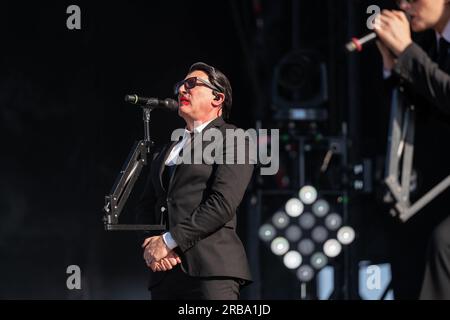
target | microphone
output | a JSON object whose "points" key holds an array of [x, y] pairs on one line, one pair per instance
{"points": [[168, 104], [357, 44]]}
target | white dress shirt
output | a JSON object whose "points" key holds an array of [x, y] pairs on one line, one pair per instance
{"points": [[171, 161], [175, 153]]}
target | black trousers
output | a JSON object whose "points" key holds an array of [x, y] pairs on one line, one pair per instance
{"points": [[436, 283], [176, 285]]}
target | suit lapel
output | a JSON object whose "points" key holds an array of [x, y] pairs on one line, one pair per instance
{"points": [[166, 154]]}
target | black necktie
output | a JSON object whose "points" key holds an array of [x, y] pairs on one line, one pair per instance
{"points": [[444, 53], [187, 144]]}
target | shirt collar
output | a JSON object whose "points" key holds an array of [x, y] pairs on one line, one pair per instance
{"points": [[445, 34], [200, 128]]}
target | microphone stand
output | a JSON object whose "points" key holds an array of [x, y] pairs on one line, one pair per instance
{"points": [[115, 201], [401, 145]]}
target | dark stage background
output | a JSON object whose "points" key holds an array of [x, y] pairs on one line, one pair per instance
{"points": [[65, 129]]}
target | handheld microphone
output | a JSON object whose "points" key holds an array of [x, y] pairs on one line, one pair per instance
{"points": [[168, 104], [357, 44]]}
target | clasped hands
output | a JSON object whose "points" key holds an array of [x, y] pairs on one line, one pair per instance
{"points": [[158, 256]]}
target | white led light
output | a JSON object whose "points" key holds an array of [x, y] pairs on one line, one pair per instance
{"points": [[333, 221], [305, 273], [280, 220], [308, 194], [292, 260], [266, 232], [346, 235], [318, 260], [321, 208], [279, 246], [332, 248], [294, 207]]}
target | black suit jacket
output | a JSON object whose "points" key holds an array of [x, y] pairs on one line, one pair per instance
{"points": [[423, 75], [201, 202]]}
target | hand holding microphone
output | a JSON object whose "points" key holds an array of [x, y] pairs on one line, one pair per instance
{"points": [[394, 31], [391, 29], [389, 60]]}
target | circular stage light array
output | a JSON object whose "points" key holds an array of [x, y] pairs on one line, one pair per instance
{"points": [[307, 233]]}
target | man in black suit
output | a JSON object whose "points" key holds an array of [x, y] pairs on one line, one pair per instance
{"points": [[200, 256], [425, 73]]}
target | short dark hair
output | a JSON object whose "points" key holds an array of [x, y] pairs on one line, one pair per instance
{"points": [[218, 79]]}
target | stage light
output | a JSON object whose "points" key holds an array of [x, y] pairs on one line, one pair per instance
{"points": [[319, 234], [305, 273], [320, 208], [306, 247], [279, 246], [307, 233], [299, 87], [346, 235], [308, 194], [318, 260], [332, 248], [293, 233], [294, 207], [307, 220], [267, 232], [333, 221], [280, 220], [292, 260]]}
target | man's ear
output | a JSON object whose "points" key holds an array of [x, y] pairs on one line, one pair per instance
{"points": [[219, 98]]}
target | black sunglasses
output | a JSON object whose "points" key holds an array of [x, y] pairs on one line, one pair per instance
{"points": [[191, 82]]}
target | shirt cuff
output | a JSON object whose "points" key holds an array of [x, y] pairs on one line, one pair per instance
{"points": [[169, 241]]}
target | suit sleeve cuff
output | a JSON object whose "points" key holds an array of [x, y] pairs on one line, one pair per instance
{"points": [[405, 61], [169, 241]]}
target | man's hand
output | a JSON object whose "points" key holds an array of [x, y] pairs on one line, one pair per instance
{"points": [[154, 249], [393, 31], [389, 59], [167, 263]]}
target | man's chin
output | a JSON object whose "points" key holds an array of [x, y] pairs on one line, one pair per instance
{"points": [[418, 29], [182, 112], [416, 26], [184, 107]]}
